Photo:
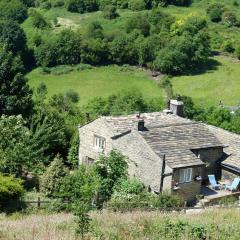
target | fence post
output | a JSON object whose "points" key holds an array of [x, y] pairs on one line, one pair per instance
{"points": [[39, 202]]}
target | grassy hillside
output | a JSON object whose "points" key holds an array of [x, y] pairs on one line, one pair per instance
{"points": [[126, 226], [101, 81], [220, 83]]}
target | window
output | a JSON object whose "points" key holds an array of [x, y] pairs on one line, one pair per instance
{"points": [[99, 142], [185, 175], [89, 161]]}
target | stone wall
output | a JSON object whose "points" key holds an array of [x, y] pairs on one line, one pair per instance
{"points": [[143, 164], [86, 146], [188, 191], [210, 156]]}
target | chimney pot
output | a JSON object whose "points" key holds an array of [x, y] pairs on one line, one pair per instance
{"points": [[177, 107]]}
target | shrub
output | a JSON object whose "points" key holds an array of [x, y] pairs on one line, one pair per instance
{"points": [[38, 20], [137, 5], [110, 12], [72, 95], [129, 186], [13, 10], [215, 12], [238, 52], [230, 19], [53, 177], [228, 47], [81, 185], [10, 189], [121, 201], [111, 169]]}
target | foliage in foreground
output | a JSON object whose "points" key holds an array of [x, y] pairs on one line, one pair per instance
{"points": [[10, 189]]}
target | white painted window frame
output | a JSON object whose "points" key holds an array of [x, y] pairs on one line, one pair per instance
{"points": [[99, 142], [185, 175]]}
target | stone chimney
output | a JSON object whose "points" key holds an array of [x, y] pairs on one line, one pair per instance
{"points": [[176, 107]]}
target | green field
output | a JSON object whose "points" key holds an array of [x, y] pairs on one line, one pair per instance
{"points": [[222, 83], [101, 81]]}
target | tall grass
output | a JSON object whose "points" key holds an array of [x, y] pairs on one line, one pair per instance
{"points": [[218, 224]]}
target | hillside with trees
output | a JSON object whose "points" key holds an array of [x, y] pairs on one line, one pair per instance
{"points": [[67, 62]]}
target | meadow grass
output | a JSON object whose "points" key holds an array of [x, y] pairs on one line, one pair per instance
{"points": [[214, 224], [96, 82], [208, 88]]}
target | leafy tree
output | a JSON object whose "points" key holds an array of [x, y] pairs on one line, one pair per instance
{"points": [[111, 169], [215, 11], [73, 151], [230, 19], [13, 10], [138, 22], [49, 132], [10, 189], [19, 152], [12, 36], [81, 185], [160, 20], [137, 5], [38, 20], [94, 30], [129, 186], [110, 12], [53, 177], [15, 94], [82, 6], [82, 218]]}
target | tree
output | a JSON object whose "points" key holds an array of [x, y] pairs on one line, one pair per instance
{"points": [[10, 189], [82, 218], [19, 152], [230, 19], [137, 5], [139, 22], [38, 20], [80, 186], [215, 11], [110, 169], [13, 10], [110, 12], [12, 36], [82, 6], [53, 177], [15, 94]]}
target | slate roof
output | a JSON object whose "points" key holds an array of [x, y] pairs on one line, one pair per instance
{"points": [[170, 135], [232, 143], [121, 124], [177, 141]]}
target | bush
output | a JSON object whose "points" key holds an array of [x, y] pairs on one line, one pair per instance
{"points": [[81, 185], [228, 47], [215, 12], [11, 189], [238, 52], [38, 20], [53, 177], [110, 12], [129, 186], [137, 5], [13, 10], [120, 201], [230, 19], [111, 169]]}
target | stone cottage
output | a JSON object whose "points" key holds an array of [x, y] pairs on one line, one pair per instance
{"points": [[164, 150]]}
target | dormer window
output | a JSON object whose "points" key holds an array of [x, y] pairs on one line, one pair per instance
{"points": [[99, 142]]}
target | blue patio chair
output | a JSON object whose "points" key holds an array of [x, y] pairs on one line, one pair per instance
{"points": [[234, 185], [213, 182]]}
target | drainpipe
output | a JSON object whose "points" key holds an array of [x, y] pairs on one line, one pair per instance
{"points": [[163, 174]]}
